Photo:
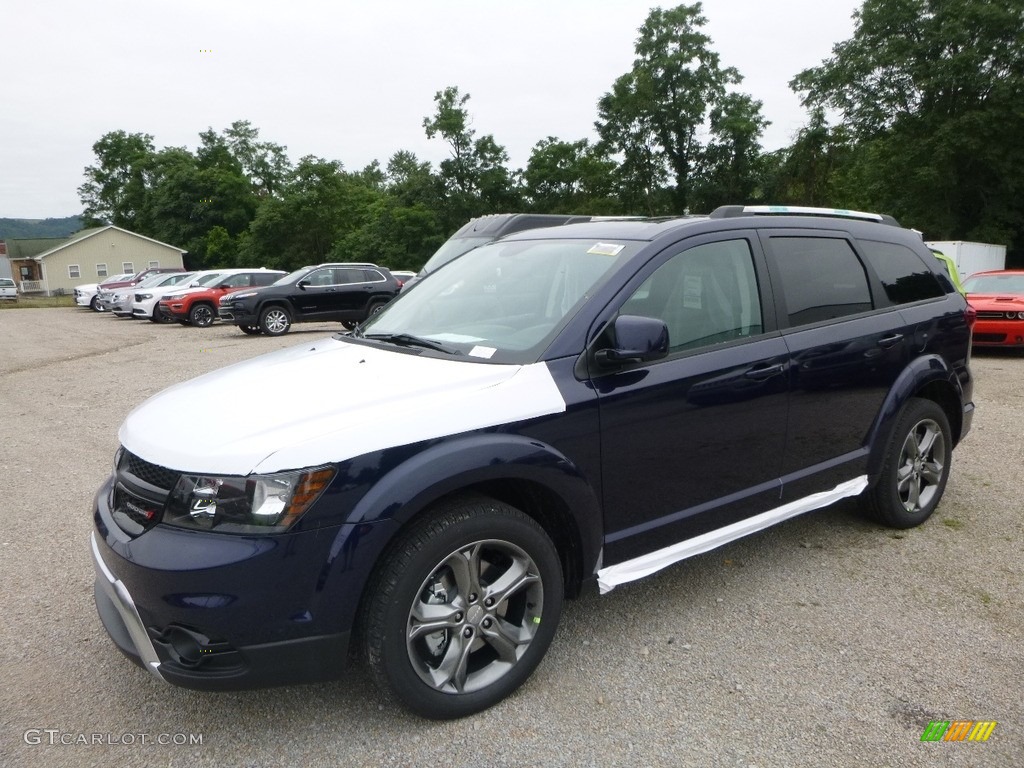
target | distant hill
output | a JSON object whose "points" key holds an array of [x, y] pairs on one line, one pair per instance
{"points": [[17, 228]]}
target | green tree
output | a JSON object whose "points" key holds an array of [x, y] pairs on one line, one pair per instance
{"points": [[569, 177], [732, 163], [931, 91], [476, 177], [654, 113], [115, 189], [815, 168]]}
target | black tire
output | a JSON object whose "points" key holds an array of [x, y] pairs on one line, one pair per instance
{"points": [[94, 304], [251, 330], [376, 307], [201, 315], [493, 642], [275, 321], [915, 467], [349, 325], [159, 316]]}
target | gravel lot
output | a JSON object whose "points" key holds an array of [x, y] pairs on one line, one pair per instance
{"points": [[825, 641]]}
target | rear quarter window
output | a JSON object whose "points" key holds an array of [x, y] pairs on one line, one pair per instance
{"points": [[904, 275]]}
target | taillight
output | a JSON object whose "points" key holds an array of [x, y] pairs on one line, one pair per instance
{"points": [[970, 315]]}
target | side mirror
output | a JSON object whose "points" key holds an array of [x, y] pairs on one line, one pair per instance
{"points": [[637, 340], [301, 285]]}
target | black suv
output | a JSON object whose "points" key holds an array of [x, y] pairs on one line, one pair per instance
{"points": [[578, 405], [346, 293]]}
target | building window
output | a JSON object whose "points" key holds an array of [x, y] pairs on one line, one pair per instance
{"points": [[127, 267], [101, 270], [154, 265], [74, 271]]}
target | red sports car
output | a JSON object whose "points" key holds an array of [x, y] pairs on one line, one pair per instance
{"points": [[998, 298]]}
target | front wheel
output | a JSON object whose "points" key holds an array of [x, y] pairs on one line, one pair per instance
{"points": [[159, 316], [201, 316], [463, 608], [275, 321], [915, 468]]}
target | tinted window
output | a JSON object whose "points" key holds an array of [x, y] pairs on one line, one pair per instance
{"points": [[904, 275], [264, 278], [322, 277], [236, 281], [706, 295], [822, 278]]}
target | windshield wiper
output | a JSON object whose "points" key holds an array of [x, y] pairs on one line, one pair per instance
{"points": [[408, 340]]}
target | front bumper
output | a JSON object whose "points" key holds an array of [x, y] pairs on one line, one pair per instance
{"points": [[998, 333], [238, 315], [225, 612]]}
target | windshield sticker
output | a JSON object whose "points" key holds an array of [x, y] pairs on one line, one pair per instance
{"points": [[484, 352], [605, 249]]}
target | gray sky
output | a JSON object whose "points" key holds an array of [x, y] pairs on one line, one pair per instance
{"points": [[349, 81]]}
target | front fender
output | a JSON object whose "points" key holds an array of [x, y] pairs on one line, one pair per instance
{"points": [[505, 464]]}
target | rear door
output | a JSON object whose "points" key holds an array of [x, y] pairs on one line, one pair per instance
{"points": [[695, 441], [848, 345]]}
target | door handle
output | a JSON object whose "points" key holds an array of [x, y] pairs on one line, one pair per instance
{"points": [[889, 341], [766, 372]]}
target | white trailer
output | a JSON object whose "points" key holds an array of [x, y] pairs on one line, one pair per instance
{"points": [[972, 257]]}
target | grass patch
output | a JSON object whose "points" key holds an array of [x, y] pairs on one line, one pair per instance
{"points": [[38, 302], [952, 522]]}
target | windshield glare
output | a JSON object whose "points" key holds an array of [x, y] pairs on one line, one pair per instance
{"points": [[995, 284], [507, 301], [452, 249], [292, 277]]}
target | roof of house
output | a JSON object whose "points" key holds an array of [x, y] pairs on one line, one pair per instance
{"points": [[28, 248], [61, 243]]}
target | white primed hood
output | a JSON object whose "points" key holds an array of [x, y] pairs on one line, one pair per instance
{"points": [[328, 401]]}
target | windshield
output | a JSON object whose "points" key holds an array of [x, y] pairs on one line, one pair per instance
{"points": [[292, 277], [1013, 283], [204, 279], [506, 303], [452, 249]]}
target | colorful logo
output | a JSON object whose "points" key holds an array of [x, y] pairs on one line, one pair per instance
{"points": [[958, 730]]}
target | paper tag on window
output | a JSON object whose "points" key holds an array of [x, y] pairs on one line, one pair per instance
{"points": [[605, 249], [485, 352], [692, 289]]}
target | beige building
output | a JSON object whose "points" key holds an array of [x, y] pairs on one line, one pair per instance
{"points": [[93, 255]]}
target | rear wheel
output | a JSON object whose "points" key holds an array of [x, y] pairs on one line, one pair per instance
{"points": [[463, 608], [915, 468], [94, 304], [201, 315], [275, 321]]}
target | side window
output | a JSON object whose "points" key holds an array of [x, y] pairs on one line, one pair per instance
{"points": [[347, 276], [706, 295], [373, 276], [322, 277], [904, 276], [236, 281], [822, 278], [264, 278]]}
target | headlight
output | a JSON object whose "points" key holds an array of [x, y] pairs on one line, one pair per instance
{"points": [[1020, 315], [144, 296], [253, 504]]}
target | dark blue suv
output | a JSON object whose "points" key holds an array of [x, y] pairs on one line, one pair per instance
{"points": [[584, 404]]}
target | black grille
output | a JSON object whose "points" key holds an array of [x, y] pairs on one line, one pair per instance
{"points": [[161, 477], [990, 338], [991, 315]]}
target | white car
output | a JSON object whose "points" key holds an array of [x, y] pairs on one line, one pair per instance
{"points": [[8, 289], [85, 294], [146, 303], [122, 300]]}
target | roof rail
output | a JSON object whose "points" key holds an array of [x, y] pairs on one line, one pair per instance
{"points": [[731, 211]]}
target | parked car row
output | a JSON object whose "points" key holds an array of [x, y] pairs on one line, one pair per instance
{"points": [[256, 300]]}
